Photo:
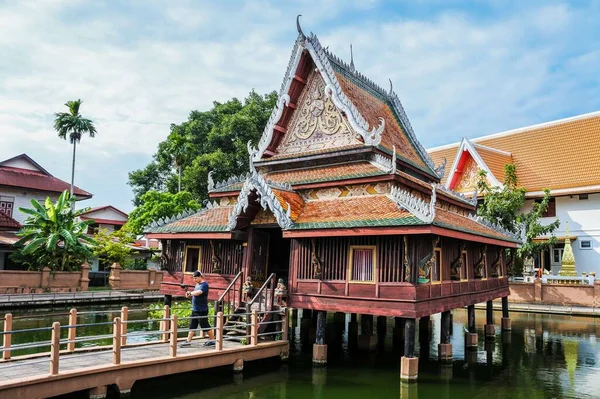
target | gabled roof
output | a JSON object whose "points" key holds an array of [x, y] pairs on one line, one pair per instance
{"points": [[33, 177], [375, 115], [100, 208], [8, 223], [561, 155], [89, 215], [467, 150]]}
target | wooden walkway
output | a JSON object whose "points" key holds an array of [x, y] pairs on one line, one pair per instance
{"points": [[63, 372]]}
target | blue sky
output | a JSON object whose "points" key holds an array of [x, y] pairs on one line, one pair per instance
{"points": [[461, 68]]}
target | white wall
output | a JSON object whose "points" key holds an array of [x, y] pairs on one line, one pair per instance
{"points": [[21, 163], [108, 214], [23, 199], [584, 222]]}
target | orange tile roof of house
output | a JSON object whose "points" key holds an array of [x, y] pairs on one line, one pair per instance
{"points": [[207, 220], [559, 155], [8, 223], [294, 200], [325, 173], [495, 160], [374, 210]]}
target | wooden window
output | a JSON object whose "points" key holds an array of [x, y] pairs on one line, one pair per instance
{"points": [[192, 258], [7, 205], [436, 270], [463, 269], [551, 210], [362, 264]]}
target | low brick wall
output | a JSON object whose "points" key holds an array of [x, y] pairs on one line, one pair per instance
{"points": [[556, 294], [25, 282], [120, 279]]}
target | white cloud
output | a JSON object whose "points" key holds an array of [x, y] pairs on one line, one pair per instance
{"points": [[141, 67]]}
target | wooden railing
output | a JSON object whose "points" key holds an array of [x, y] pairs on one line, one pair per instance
{"points": [[231, 298], [168, 332]]}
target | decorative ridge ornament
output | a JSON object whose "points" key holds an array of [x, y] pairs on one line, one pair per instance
{"points": [[298, 26], [211, 182], [267, 136], [267, 199], [352, 69], [495, 226], [165, 221], [441, 170], [225, 183], [418, 207], [471, 201], [387, 164]]}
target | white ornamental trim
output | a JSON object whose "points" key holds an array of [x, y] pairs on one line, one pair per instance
{"points": [[266, 199], [415, 205], [471, 201], [334, 90], [519, 237], [225, 183], [385, 163]]}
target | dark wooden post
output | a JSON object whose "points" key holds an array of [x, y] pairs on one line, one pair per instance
{"points": [[367, 341], [490, 331], [353, 329], [168, 300], [409, 364], [381, 326], [445, 347], [506, 325], [398, 329], [319, 347], [424, 328], [471, 337]]}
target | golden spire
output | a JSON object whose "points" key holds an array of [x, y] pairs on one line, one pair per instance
{"points": [[568, 259]]}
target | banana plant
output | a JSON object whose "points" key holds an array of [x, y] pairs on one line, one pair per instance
{"points": [[54, 235]]}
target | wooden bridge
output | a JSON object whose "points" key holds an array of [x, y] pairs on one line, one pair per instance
{"points": [[66, 369]]}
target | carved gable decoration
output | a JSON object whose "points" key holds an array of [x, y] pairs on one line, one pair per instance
{"points": [[467, 182], [317, 124]]}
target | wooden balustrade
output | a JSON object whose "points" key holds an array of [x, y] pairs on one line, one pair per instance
{"points": [[116, 349], [72, 332], [173, 343], [7, 339], [55, 348], [124, 318]]}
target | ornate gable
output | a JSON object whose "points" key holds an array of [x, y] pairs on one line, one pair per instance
{"points": [[316, 123], [465, 169]]}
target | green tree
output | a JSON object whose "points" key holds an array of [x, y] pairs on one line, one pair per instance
{"points": [[504, 205], [210, 140], [155, 205], [112, 247], [54, 236], [72, 125]]}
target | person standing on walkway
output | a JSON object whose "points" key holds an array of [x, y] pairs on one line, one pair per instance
{"points": [[199, 310]]}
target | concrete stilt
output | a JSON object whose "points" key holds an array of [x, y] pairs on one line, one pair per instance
{"points": [[238, 366], [409, 364], [98, 392], [445, 347], [471, 338], [319, 347]]}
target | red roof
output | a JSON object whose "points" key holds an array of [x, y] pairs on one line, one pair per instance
{"points": [[8, 223], [37, 180]]}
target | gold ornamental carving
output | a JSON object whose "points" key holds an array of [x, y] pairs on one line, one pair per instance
{"points": [[470, 175], [316, 124]]}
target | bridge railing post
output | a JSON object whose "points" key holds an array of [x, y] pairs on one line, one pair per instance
{"points": [[165, 325], [285, 326], [124, 317], [6, 342], [55, 348], [117, 341], [72, 333], [173, 343], [254, 329], [219, 332]]}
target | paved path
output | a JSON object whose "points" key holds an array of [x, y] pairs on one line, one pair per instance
{"points": [[546, 308], [73, 298]]}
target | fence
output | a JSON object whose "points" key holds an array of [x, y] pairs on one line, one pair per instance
{"points": [[167, 332]]}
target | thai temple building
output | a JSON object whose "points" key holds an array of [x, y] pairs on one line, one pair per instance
{"points": [[561, 156], [342, 210]]}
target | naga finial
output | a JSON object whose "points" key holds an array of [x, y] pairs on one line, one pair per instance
{"points": [[351, 59], [299, 27], [391, 88]]}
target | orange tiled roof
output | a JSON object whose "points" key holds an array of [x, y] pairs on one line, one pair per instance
{"points": [[372, 108], [374, 210], [556, 155], [455, 221], [215, 219], [291, 198], [8, 223], [325, 173], [494, 160]]}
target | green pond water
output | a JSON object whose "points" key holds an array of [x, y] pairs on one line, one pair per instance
{"points": [[545, 356]]}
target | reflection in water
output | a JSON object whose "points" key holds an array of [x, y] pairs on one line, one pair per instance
{"points": [[545, 356]]}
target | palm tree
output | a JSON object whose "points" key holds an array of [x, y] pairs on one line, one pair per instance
{"points": [[71, 124]]}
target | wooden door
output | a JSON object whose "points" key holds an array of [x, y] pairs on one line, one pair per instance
{"points": [[260, 256]]}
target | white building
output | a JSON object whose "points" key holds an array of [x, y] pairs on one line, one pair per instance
{"points": [[21, 180], [563, 156]]}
